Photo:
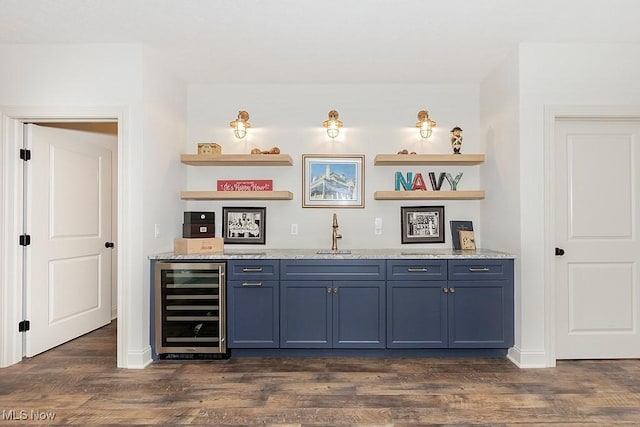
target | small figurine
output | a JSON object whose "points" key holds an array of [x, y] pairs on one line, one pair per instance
{"points": [[456, 139]]}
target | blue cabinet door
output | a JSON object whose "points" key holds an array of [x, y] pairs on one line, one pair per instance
{"points": [[253, 315], [417, 314], [481, 303], [358, 314], [305, 315], [480, 314]]}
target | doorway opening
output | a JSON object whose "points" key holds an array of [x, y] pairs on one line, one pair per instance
{"points": [[12, 293], [586, 317]]}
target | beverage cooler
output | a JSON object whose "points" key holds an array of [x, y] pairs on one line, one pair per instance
{"points": [[190, 310]]}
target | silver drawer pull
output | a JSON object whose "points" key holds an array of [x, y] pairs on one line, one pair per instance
{"points": [[417, 269], [478, 269], [252, 270], [251, 284]]}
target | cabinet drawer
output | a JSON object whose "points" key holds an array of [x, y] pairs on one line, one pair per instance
{"points": [[341, 269], [481, 269], [253, 269], [417, 269]]}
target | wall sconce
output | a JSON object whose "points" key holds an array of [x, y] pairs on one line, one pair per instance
{"points": [[333, 125], [240, 124], [425, 124]]}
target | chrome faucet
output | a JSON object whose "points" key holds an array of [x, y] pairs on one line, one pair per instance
{"points": [[335, 235]]}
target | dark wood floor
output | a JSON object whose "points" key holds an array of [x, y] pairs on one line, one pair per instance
{"points": [[79, 383]]}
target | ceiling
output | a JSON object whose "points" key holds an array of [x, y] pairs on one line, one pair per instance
{"points": [[329, 41]]}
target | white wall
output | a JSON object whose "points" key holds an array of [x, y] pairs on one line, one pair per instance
{"points": [[377, 119], [500, 175], [599, 76], [165, 110]]}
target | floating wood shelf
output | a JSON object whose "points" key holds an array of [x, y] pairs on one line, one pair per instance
{"points": [[236, 195], [236, 159], [429, 195], [428, 159]]}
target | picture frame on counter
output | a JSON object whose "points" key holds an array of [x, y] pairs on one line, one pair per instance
{"points": [[422, 224], [244, 225], [335, 181], [456, 228]]}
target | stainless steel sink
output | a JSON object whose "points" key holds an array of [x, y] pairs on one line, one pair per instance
{"points": [[336, 252]]}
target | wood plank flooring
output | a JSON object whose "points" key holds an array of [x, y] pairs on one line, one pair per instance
{"points": [[79, 384]]}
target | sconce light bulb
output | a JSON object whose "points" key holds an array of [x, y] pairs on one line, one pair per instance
{"points": [[240, 130], [332, 129], [425, 130]]}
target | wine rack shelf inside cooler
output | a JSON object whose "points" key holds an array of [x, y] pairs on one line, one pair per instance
{"points": [[190, 308]]}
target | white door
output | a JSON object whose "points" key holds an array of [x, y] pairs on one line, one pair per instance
{"points": [[68, 273], [597, 216]]}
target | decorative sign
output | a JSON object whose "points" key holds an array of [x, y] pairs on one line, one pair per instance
{"points": [[209, 148], [416, 182], [245, 185]]}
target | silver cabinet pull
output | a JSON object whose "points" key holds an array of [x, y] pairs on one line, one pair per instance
{"points": [[251, 284], [252, 270], [478, 269], [445, 290], [417, 269], [452, 290], [329, 290]]}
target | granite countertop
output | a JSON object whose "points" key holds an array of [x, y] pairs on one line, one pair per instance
{"points": [[340, 254]]}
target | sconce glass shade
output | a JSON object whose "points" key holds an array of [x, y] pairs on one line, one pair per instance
{"points": [[333, 125], [425, 124], [240, 124]]}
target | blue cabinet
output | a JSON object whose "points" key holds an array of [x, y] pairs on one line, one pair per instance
{"points": [[465, 303], [417, 304], [253, 300], [480, 303], [332, 304]]}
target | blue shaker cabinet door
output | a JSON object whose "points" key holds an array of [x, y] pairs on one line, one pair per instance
{"points": [[253, 314], [479, 315], [358, 314], [417, 314], [305, 317], [481, 303]]}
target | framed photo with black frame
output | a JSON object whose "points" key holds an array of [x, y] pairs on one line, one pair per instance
{"points": [[244, 225], [332, 181], [422, 224]]}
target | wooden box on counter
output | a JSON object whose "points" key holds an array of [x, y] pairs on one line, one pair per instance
{"points": [[211, 245]]}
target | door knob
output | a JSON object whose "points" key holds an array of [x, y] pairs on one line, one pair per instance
{"points": [[108, 244], [559, 251]]}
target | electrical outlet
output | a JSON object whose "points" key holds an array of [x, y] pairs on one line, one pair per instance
{"points": [[156, 230], [294, 229], [377, 226]]}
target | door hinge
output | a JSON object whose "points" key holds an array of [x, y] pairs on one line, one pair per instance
{"points": [[24, 326], [25, 240], [25, 154]]}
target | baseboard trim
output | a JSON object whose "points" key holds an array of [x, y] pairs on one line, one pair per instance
{"points": [[139, 359], [529, 359]]}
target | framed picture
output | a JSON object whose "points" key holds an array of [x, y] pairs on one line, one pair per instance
{"points": [[244, 225], [456, 228], [422, 224], [333, 181]]}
